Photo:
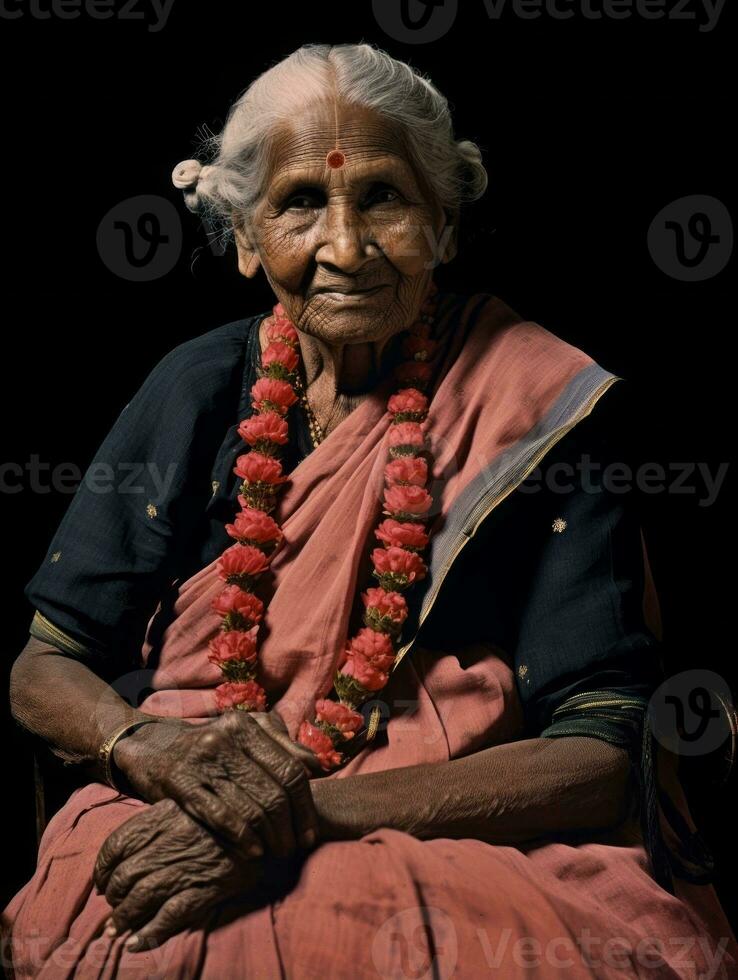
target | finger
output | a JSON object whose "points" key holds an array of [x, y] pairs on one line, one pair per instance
{"points": [[234, 795], [282, 767], [136, 833], [143, 863], [177, 913], [264, 806], [145, 898], [273, 724], [199, 791], [230, 813]]}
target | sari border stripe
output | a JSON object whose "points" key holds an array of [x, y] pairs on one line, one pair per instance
{"points": [[503, 475]]}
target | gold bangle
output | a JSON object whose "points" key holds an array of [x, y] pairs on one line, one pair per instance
{"points": [[105, 752]]}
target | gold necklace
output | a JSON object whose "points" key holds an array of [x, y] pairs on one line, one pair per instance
{"points": [[316, 432]]}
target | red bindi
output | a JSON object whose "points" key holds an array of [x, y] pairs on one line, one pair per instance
{"points": [[335, 159]]}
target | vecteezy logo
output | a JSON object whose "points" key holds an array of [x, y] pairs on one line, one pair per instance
{"points": [[685, 712], [418, 943], [140, 239], [415, 21], [692, 239]]}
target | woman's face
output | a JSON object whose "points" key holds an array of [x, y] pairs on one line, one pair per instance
{"points": [[348, 251]]}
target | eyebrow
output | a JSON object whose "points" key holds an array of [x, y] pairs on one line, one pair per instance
{"points": [[384, 169]]}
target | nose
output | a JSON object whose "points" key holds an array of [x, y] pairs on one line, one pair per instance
{"points": [[346, 240]]}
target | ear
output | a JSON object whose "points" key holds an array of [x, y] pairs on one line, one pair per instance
{"points": [[248, 258]]}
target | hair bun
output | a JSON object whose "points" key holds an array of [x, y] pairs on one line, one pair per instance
{"points": [[477, 179], [186, 174], [469, 151], [189, 176]]}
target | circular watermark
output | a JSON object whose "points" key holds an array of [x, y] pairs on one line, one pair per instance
{"points": [[687, 712], [140, 239], [691, 239], [419, 942], [415, 21]]}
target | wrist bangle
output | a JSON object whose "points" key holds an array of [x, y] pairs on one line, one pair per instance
{"points": [[105, 752]]}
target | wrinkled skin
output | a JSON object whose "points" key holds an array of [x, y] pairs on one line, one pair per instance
{"points": [[240, 775], [350, 253], [229, 791], [161, 871]]}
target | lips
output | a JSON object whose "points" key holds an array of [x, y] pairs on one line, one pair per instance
{"points": [[344, 291]]}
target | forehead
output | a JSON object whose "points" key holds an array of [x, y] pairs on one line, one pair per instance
{"points": [[367, 140]]}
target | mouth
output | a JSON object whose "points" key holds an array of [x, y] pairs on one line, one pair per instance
{"points": [[349, 293]]}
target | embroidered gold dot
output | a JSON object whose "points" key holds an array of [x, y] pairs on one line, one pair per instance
{"points": [[216, 486], [559, 525], [151, 510], [56, 556], [522, 670]]}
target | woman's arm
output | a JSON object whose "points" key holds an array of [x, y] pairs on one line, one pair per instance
{"points": [[506, 794], [238, 774], [66, 704]]}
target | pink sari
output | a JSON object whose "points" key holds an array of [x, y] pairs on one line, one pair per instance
{"points": [[390, 905]]}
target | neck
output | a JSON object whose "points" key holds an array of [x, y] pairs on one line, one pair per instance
{"points": [[339, 378]]}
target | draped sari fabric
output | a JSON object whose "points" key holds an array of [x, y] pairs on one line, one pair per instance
{"points": [[390, 905]]}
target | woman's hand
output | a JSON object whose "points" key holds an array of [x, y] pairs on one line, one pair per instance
{"points": [[240, 775], [161, 871]]}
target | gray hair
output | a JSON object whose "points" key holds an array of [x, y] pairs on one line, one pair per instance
{"points": [[233, 182]]}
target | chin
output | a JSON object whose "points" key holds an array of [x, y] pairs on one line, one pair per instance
{"points": [[352, 324]]}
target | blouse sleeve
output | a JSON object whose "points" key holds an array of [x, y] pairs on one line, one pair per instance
{"points": [[586, 658], [555, 578], [120, 540], [582, 634]]}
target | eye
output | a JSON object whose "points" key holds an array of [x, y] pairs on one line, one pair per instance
{"points": [[304, 199], [381, 194]]}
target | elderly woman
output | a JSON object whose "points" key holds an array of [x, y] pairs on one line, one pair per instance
{"points": [[357, 689]]}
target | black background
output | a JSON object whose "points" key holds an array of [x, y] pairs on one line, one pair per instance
{"points": [[588, 129]]}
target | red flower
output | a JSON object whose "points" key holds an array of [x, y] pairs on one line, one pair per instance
{"points": [[371, 678], [238, 645], [408, 434], [408, 401], [266, 427], [385, 605], [407, 469], [241, 559], [395, 534], [321, 743], [407, 500], [282, 331], [376, 648], [254, 526], [271, 394], [339, 715], [245, 695], [234, 599], [399, 566], [279, 353], [255, 467]]}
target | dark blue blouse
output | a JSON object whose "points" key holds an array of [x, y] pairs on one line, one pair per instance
{"points": [[565, 604]]}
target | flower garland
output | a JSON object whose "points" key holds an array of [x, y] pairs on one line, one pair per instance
{"points": [[365, 666]]}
